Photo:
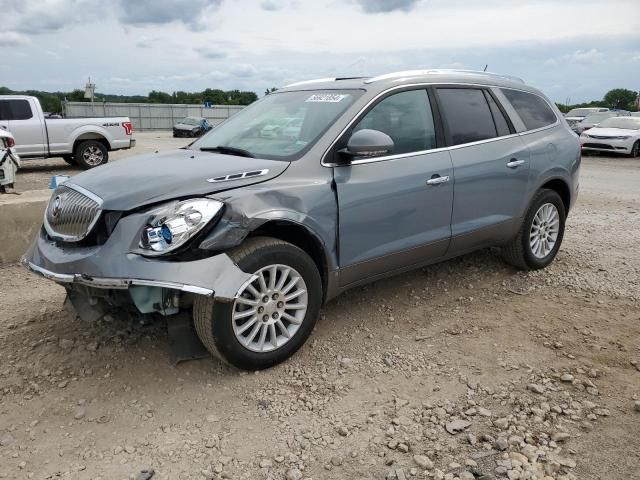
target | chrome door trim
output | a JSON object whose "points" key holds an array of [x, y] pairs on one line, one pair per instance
{"points": [[515, 163], [438, 180], [422, 152]]}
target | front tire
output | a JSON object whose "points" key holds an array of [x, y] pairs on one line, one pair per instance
{"points": [[91, 154], [635, 150], [540, 235], [273, 316]]}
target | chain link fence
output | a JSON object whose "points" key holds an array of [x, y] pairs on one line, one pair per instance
{"points": [[149, 116]]}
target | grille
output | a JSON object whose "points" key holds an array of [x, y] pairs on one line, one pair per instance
{"points": [[598, 145], [71, 215]]}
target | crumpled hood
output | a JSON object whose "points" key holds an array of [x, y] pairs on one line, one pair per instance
{"points": [[137, 181], [613, 132]]}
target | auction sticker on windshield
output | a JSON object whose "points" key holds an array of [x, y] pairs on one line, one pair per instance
{"points": [[325, 97]]}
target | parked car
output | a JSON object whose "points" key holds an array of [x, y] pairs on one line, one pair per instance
{"points": [[251, 235], [9, 162], [191, 127], [578, 114], [614, 135], [593, 119], [85, 142]]}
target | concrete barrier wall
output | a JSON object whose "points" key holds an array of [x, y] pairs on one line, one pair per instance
{"points": [[150, 116], [20, 219]]}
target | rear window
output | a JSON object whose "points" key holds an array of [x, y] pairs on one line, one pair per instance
{"points": [[467, 115], [532, 109], [15, 110]]}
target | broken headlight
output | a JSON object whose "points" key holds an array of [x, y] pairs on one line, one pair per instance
{"points": [[173, 224]]}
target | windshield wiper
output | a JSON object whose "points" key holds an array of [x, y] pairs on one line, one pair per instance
{"points": [[229, 151]]}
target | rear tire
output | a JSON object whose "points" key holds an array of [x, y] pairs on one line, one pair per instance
{"points": [[226, 328], [635, 150], [545, 219], [91, 154]]}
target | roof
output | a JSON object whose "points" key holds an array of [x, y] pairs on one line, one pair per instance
{"points": [[385, 81]]}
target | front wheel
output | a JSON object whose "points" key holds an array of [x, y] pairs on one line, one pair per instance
{"points": [[635, 150], [272, 316], [90, 154], [540, 235]]}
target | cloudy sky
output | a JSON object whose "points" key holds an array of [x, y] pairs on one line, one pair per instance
{"points": [[571, 49]]}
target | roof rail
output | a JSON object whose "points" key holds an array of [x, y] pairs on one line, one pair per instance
{"points": [[437, 71], [316, 80]]}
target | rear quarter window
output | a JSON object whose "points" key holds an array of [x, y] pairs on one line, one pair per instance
{"points": [[534, 111]]}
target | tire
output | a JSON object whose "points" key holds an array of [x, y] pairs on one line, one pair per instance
{"points": [[635, 150], [91, 154], [519, 252], [70, 160], [221, 334]]}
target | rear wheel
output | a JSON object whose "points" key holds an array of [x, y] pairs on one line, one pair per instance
{"points": [[635, 150], [272, 316], [540, 235], [90, 154]]}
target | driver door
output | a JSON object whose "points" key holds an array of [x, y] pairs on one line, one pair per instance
{"points": [[395, 210]]}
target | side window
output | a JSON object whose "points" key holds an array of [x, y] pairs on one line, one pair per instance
{"points": [[466, 114], [533, 110], [501, 123], [15, 110], [406, 117]]}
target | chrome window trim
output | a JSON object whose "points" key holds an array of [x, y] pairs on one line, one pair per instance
{"points": [[423, 152], [72, 238]]}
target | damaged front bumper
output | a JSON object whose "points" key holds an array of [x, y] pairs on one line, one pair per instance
{"points": [[113, 266]]}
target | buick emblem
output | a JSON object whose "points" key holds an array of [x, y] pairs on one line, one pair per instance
{"points": [[57, 206]]}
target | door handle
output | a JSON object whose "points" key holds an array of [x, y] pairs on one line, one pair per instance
{"points": [[515, 163], [437, 180]]}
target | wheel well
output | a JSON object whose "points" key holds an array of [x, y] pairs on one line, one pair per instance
{"points": [[300, 237], [562, 189], [91, 136]]}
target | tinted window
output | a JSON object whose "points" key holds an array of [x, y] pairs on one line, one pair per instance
{"points": [[533, 110], [501, 123], [15, 110], [406, 117], [467, 115]]}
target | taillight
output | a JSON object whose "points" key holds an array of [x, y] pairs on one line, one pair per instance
{"points": [[10, 142], [128, 128]]}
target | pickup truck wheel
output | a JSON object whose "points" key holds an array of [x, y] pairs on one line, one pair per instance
{"points": [[272, 316], [540, 235], [90, 154], [70, 160]]}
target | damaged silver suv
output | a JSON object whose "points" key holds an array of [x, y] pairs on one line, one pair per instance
{"points": [[312, 190]]}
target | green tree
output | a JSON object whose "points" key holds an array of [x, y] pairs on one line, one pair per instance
{"points": [[620, 98]]}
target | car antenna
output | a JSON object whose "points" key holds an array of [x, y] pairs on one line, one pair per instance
{"points": [[485, 67]]}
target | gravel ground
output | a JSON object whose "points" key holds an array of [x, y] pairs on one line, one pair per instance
{"points": [[463, 370]]}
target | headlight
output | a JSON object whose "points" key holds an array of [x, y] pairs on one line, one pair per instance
{"points": [[175, 223]]}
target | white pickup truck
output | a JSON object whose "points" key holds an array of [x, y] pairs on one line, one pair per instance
{"points": [[85, 142]]}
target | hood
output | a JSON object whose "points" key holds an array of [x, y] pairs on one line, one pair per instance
{"points": [[185, 126], [142, 180], [613, 132]]}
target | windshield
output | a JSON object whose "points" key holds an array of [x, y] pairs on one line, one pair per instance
{"points": [[580, 112], [628, 123], [281, 126], [190, 121], [597, 117]]}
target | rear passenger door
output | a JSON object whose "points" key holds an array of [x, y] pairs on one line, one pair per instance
{"points": [[490, 163]]}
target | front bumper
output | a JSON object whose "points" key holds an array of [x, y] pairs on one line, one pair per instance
{"points": [[113, 266], [606, 145]]}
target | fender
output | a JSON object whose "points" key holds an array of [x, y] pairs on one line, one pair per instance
{"points": [[91, 130]]}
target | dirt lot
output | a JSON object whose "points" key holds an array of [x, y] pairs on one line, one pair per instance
{"points": [[467, 369]]}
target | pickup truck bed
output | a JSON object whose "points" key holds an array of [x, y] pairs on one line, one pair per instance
{"points": [[82, 141]]}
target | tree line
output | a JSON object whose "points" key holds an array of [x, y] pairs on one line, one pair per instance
{"points": [[618, 98], [52, 101]]}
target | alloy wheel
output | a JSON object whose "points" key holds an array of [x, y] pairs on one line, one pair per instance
{"points": [[544, 230]]}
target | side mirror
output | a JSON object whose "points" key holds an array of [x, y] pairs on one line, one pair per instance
{"points": [[368, 143]]}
